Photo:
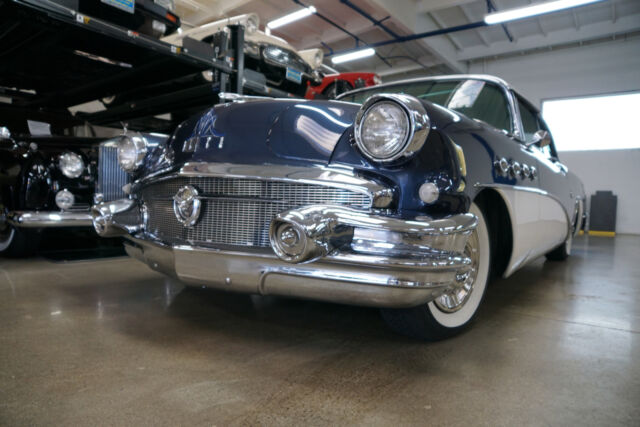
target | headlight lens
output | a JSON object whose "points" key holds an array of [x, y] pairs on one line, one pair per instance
{"points": [[384, 130], [71, 164], [391, 126], [131, 152]]}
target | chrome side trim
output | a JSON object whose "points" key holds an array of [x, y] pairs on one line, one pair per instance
{"points": [[36, 219], [330, 177]]}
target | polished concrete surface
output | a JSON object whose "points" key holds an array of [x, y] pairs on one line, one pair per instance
{"points": [[111, 342]]}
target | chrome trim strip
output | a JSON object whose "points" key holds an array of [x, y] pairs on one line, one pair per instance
{"points": [[37, 219]]}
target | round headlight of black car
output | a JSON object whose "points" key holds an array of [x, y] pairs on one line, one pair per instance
{"points": [[131, 152], [71, 164], [390, 126]]}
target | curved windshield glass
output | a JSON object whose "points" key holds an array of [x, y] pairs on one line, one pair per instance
{"points": [[477, 99]]}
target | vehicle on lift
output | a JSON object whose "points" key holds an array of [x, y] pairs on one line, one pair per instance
{"points": [[282, 66], [154, 18], [405, 196], [336, 84], [44, 182]]}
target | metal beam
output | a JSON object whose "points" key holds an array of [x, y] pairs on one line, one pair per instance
{"points": [[599, 30]]}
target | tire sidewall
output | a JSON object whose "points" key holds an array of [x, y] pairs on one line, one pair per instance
{"points": [[463, 316]]}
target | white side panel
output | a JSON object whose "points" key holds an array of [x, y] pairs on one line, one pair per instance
{"points": [[539, 224]]}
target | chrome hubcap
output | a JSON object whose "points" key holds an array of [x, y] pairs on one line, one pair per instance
{"points": [[455, 299]]}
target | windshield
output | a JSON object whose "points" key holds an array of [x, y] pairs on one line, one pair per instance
{"points": [[477, 99]]}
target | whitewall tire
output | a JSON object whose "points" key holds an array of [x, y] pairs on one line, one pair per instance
{"points": [[453, 311]]}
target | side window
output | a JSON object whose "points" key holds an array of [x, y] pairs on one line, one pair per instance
{"points": [[483, 101], [530, 124]]}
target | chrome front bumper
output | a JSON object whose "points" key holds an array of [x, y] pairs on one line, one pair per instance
{"points": [[38, 219], [354, 257]]}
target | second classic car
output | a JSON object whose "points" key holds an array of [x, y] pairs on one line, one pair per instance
{"points": [[45, 181], [337, 83], [406, 196], [283, 67]]}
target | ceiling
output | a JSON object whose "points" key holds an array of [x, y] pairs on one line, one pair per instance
{"points": [[433, 55]]}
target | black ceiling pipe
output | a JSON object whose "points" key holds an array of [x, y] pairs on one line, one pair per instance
{"points": [[344, 30]]}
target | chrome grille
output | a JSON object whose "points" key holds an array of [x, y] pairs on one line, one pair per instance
{"points": [[111, 177], [235, 212]]}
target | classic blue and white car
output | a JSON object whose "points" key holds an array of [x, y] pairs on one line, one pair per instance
{"points": [[405, 196]]}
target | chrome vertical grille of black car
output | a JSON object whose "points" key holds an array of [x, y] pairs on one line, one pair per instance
{"points": [[235, 212], [111, 177]]}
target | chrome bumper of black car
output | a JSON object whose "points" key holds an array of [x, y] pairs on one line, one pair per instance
{"points": [[40, 219], [348, 256]]}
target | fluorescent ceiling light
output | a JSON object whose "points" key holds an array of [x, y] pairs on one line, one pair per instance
{"points": [[363, 53], [288, 19], [533, 10]]}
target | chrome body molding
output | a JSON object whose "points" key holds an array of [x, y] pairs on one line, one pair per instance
{"points": [[40, 219], [539, 222], [334, 177]]}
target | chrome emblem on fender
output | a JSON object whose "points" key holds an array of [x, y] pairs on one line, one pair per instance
{"points": [[186, 205]]}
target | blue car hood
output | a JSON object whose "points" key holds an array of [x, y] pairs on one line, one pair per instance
{"points": [[264, 131]]}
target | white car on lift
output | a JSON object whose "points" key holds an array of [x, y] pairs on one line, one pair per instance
{"points": [[282, 65]]}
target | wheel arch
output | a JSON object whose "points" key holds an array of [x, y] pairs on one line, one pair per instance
{"points": [[499, 220]]}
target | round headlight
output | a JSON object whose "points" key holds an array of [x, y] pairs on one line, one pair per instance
{"points": [[131, 152], [71, 164], [389, 127]]}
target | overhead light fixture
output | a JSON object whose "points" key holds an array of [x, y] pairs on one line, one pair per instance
{"points": [[533, 10], [358, 54], [288, 19]]}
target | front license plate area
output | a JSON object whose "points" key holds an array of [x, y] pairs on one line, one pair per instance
{"points": [[294, 75]]}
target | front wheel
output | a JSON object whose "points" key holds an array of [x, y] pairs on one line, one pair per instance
{"points": [[452, 312]]}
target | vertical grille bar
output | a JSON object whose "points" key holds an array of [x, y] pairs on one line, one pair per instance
{"points": [[111, 178]]}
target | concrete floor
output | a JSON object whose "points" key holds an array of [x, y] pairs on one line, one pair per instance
{"points": [[111, 342]]}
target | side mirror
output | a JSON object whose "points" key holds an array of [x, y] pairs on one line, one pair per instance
{"points": [[541, 137], [5, 133]]}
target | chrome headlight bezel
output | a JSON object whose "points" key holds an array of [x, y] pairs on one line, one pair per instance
{"points": [[138, 145], [419, 125], [65, 165]]}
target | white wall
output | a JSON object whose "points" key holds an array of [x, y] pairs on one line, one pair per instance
{"points": [[616, 170], [595, 69]]}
